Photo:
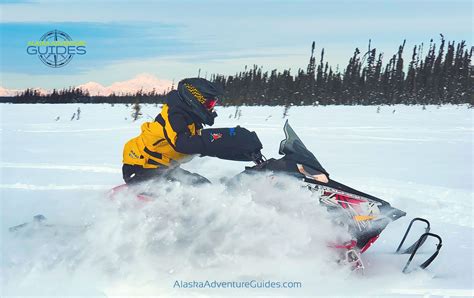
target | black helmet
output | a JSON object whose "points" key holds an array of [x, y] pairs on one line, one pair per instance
{"points": [[200, 95]]}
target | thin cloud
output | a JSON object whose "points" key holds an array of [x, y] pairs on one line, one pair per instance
{"points": [[175, 40]]}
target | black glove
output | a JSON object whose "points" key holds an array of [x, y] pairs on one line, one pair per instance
{"points": [[235, 143]]}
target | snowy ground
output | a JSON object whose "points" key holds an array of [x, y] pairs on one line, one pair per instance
{"points": [[418, 160]]}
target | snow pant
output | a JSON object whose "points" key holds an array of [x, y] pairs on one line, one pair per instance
{"points": [[133, 174]]}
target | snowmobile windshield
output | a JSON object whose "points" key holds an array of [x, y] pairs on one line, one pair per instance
{"points": [[293, 148]]}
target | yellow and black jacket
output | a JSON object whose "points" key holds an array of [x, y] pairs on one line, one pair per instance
{"points": [[171, 139], [177, 134]]}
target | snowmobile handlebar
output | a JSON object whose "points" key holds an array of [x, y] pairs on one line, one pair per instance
{"points": [[258, 158]]}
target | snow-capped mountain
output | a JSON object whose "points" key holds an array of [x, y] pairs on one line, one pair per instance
{"points": [[145, 81], [13, 92], [8, 92]]}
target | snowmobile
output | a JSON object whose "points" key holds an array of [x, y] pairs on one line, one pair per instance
{"points": [[363, 215]]}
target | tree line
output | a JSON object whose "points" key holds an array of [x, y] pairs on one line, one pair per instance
{"points": [[442, 75], [436, 75], [78, 95]]}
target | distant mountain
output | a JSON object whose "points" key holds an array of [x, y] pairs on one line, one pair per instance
{"points": [[145, 81], [95, 88], [8, 92], [12, 92]]}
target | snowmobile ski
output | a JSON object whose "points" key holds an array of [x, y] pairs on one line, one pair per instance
{"points": [[415, 246]]}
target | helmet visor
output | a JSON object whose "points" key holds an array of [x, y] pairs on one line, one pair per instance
{"points": [[210, 103]]}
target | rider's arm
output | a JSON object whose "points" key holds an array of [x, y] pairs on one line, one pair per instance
{"points": [[180, 137], [235, 143]]}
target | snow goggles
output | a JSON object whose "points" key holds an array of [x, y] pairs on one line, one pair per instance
{"points": [[210, 103]]}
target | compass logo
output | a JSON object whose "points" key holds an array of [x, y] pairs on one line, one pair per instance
{"points": [[56, 48]]}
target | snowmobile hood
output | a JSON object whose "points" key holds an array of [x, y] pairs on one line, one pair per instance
{"points": [[293, 148]]}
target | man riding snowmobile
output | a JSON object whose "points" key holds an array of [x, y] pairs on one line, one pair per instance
{"points": [[177, 134]]}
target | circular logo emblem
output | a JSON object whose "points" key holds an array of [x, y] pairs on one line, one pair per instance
{"points": [[56, 48], [55, 60]]}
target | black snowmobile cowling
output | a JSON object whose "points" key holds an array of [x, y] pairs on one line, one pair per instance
{"points": [[365, 216]]}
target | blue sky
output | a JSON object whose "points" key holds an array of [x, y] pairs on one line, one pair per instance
{"points": [[173, 39]]}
